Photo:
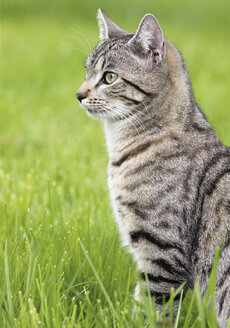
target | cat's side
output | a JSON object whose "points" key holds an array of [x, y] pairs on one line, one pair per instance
{"points": [[168, 173]]}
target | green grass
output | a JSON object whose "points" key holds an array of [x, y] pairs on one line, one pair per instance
{"points": [[62, 264]]}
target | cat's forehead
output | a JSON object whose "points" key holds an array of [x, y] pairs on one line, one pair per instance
{"points": [[106, 50]]}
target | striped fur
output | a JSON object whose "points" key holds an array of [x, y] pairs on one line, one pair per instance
{"points": [[168, 173]]}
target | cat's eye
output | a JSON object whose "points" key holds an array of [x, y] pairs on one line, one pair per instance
{"points": [[109, 77]]}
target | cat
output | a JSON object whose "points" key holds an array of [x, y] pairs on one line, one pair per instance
{"points": [[168, 173]]}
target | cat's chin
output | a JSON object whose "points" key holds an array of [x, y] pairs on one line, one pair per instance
{"points": [[99, 114], [103, 115], [95, 113]]}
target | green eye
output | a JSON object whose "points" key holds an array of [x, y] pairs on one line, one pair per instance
{"points": [[110, 77]]}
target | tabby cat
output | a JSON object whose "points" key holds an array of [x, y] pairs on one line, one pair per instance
{"points": [[168, 173]]}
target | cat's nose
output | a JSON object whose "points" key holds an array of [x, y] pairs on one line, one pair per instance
{"points": [[80, 96], [83, 91]]}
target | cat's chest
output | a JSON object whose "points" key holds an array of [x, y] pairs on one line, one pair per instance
{"points": [[147, 189], [136, 187], [123, 199]]}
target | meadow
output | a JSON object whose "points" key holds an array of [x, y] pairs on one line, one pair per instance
{"points": [[62, 264]]}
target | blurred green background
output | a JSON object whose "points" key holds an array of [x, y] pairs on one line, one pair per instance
{"points": [[53, 157]]}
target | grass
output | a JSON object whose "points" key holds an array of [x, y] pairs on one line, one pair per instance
{"points": [[62, 262]]}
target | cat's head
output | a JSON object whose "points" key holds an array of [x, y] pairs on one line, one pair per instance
{"points": [[125, 71]]}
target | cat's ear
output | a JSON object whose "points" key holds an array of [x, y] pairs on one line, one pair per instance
{"points": [[149, 38], [108, 29]]}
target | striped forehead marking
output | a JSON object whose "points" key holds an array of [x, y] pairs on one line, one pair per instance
{"points": [[102, 50], [100, 63]]}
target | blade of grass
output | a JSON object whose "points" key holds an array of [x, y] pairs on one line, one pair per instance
{"points": [[189, 311], [8, 290], [32, 262], [178, 311], [148, 303], [97, 315], [212, 280], [99, 280], [209, 299], [199, 304], [173, 294]]}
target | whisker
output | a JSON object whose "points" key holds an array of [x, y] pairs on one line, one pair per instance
{"points": [[133, 117], [86, 39], [139, 113], [82, 44], [117, 111], [144, 106], [80, 51], [148, 117]]}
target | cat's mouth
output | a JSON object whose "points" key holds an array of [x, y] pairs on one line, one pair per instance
{"points": [[94, 109], [101, 110]]}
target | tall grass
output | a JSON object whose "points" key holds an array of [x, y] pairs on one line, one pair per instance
{"points": [[62, 260]]}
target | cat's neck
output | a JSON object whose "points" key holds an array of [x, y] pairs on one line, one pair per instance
{"points": [[118, 134], [122, 134], [152, 122]]}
